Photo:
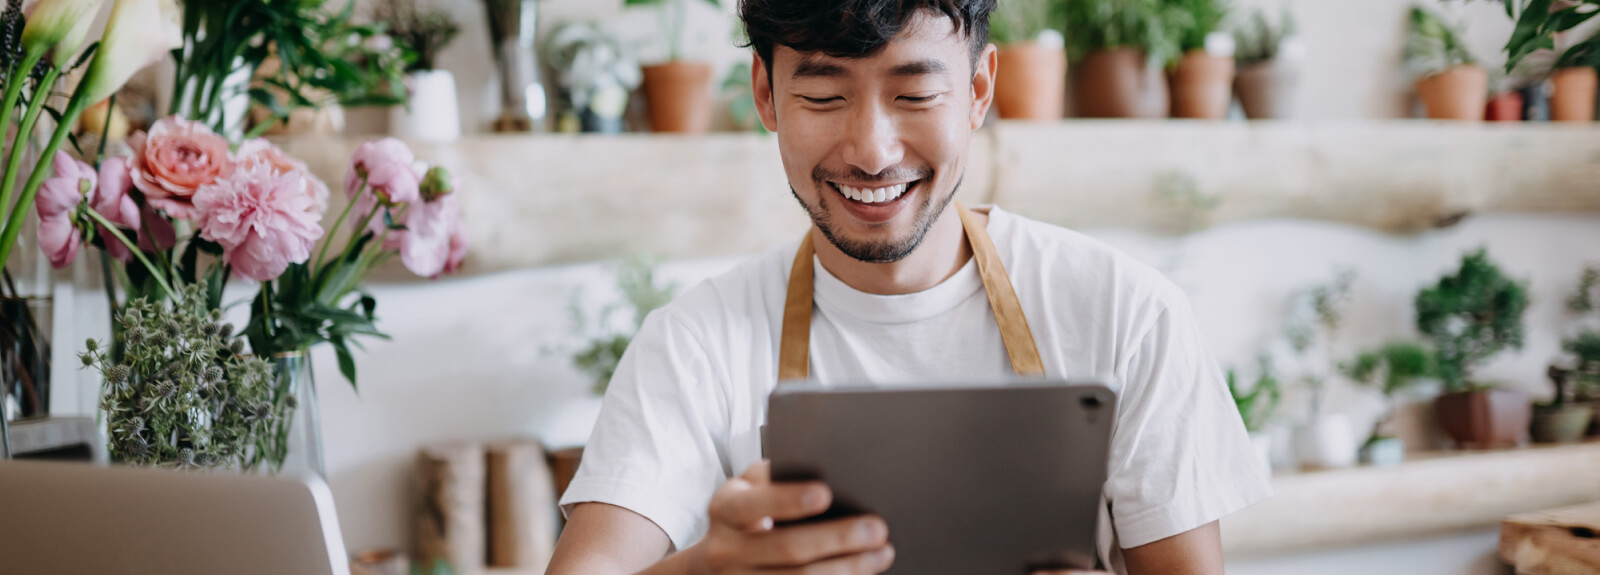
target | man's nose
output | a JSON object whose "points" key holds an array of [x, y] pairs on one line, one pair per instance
{"points": [[872, 140]]}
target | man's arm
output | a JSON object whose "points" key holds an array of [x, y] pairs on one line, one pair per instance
{"points": [[1194, 552], [605, 539]]}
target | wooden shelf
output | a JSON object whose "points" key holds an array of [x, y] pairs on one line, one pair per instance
{"points": [[1434, 494]]}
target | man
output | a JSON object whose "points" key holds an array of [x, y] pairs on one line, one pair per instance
{"points": [[873, 103]]}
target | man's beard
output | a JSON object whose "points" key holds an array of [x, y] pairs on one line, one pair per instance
{"points": [[875, 252]]}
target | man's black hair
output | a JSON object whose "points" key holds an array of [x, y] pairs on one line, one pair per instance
{"points": [[852, 28]]}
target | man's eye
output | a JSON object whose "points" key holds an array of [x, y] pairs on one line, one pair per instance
{"points": [[920, 99], [828, 100]]}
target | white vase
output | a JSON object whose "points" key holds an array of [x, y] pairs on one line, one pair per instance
{"points": [[433, 115], [1261, 441], [1326, 442]]}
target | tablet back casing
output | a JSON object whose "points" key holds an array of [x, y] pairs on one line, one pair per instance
{"points": [[992, 479]]}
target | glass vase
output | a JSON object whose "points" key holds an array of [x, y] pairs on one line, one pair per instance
{"points": [[295, 380], [26, 305]]}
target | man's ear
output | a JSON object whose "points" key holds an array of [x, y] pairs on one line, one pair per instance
{"points": [[986, 67], [761, 90]]}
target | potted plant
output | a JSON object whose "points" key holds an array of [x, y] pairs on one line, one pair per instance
{"points": [[1392, 369], [595, 73], [1326, 439], [1032, 81], [1562, 419], [1267, 57], [1584, 346], [431, 115], [1202, 79], [1257, 406], [1450, 83], [1573, 79], [677, 91], [1121, 47], [1470, 316]]}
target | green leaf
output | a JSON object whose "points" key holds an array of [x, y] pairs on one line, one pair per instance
{"points": [[347, 362]]}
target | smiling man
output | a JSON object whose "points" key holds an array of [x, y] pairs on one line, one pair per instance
{"points": [[874, 103]]}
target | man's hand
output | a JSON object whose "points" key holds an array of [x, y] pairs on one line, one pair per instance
{"points": [[742, 537]]}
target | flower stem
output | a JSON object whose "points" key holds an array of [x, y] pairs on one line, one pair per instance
{"points": [[105, 132], [13, 92], [25, 204], [323, 254], [111, 228], [41, 93]]}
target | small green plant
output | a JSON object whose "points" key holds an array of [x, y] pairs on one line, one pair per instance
{"points": [[1261, 40], [1434, 45], [1197, 19], [1393, 368], [1258, 405], [184, 394], [1470, 316], [741, 98], [1585, 346], [1146, 25], [1021, 21], [1315, 315], [1538, 22], [636, 280], [423, 32], [673, 15]]}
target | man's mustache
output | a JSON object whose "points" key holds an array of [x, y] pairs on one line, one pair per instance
{"points": [[857, 175]]}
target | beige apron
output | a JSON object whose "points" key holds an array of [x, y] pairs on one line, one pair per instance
{"points": [[794, 350]]}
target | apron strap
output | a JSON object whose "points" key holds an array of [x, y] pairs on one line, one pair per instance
{"points": [[794, 349]]}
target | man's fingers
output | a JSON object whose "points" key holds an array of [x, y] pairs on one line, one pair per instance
{"points": [[759, 473], [798, 545], [875, 561], [751, 506]]}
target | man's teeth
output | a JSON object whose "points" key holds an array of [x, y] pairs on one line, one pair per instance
{"points": [[873, 195]]}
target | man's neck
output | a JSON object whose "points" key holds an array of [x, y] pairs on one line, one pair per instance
{"points": [[942, 253]]}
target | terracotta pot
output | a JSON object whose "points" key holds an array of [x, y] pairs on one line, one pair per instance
{"points": [[1484, 419], [1565, 424], [1458, 93], [1202, 86], [679, 97], [1572, 95], [1118, 83], [1031, 83], [1267, 90], [1505, 107]]}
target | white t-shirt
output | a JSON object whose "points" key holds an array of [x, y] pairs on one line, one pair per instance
{"points": [[684, 410]]}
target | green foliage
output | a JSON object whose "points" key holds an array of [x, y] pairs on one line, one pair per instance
{"points": [[183, 395], [742, 103], [673, 14], [324, 58], [1433, 45], [599, 358], [423, 32], [1393, 367], [1471, 316], [1586, 374], [1020, 21], [1196, 19], [1260, 39], [1146, 25], [439, 567], [1260, 403], [1538, 23], [1584, 299], [1318, 311]]}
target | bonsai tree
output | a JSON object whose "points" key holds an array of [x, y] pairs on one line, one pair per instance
{"points": [[1585, 345], [673, 15], [1469, 317], [1392, 369], [1260, 402]]}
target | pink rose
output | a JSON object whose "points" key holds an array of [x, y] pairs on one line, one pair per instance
{"points": [[111, 199], [69, 184], [263, 220], [387, 166], [260, 150], [174, 160]]}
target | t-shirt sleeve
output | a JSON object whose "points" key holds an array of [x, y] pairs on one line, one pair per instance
{"points": [[654, 449], [1180, 457]]}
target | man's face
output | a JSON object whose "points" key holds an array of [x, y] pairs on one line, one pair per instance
{"points": [[875, 147]]}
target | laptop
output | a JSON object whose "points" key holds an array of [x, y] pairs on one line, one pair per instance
{"points": [[78, 518]]}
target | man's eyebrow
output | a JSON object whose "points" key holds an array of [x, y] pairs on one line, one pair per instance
{"points": [[919, 68], [813, 68]]}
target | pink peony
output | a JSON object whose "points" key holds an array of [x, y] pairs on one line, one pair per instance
{"points": [[458, 248], [430, 244], [387, 165], [174, 160], [263, 220], [70, 182], [112, 200], [260, 150]]}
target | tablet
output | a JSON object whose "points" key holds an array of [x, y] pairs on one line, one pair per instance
{"points": [[995, 479]]}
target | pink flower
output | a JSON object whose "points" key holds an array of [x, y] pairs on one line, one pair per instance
{"points": [[260, 150], [263, 220], [111, 199], [69, 184], [434, 240], [387, 166], [174, 160]]}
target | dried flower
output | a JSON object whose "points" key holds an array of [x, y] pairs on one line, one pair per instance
{"points": [[119, 374]]}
